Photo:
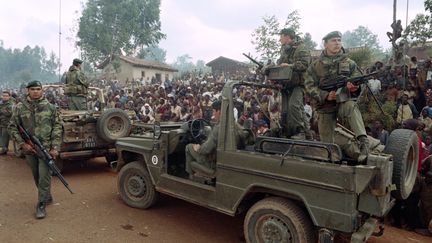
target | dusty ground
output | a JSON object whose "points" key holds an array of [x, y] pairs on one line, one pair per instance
{"points": [[95, 212]]}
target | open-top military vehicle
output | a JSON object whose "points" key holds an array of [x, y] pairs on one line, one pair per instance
{"points": [[90, 133], [292, 190]]}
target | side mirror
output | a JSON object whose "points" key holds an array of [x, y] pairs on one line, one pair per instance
{"points": [[157, 131]]}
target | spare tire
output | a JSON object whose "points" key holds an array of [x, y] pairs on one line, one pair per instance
{"points": [[113, 124], [403, 145]]}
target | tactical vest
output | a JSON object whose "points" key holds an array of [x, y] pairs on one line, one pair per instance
{"points": [[327, 68], [73, 85]]}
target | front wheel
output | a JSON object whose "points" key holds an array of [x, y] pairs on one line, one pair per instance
{"points": [[135, 186], [277, 219]]}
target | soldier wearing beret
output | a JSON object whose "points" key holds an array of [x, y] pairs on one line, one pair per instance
{"points": [[42, 120], [201, 153], [293, 53], [332, 63], [5, 115], [76, 86]]}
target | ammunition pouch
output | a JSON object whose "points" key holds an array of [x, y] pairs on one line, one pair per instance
{"points": [[284, 76], [75, 89]]}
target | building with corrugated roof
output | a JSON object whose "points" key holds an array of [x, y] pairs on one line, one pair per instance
{"points": [[131, 68]]}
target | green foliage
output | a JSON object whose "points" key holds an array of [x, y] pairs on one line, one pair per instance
{"points": [[420, 28], [184, 65], [362, 57], [371, 113], [111, 27], [265, 38], [309, 43], [153, 53], [361, 36], [19, 66]]}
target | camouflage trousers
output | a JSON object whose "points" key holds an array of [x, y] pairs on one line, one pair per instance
{"points": [[77, 102], [347, 112], [295, 117], [193, 156], [41, 176], [4, 139]]}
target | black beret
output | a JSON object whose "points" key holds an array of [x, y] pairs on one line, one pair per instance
{"points": [[332, 34], [287, 31], [217, 105], [34, 83], [77, 61]]}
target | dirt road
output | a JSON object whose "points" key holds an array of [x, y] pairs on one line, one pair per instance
{"points": [[95, 212]]}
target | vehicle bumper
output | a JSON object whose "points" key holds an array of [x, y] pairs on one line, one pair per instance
{"points": [[362, 235], [365, 231]]}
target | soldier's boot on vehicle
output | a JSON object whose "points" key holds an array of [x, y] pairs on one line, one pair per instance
{"points": [[364, 149], [40, 210], [299, 136]]}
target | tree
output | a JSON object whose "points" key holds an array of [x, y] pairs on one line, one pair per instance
{"points": [[153, 53], [420, 28], [114, 27], [265, 38], [308, 42], [361, 36], [19, 66]]}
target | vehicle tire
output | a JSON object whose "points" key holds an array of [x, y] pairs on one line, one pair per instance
{"points": [[276, 219], [403, 145], [17, 151], [113, 124], [135, 186]]}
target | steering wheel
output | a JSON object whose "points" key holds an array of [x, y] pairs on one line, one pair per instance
{"points": [[196, 129]]}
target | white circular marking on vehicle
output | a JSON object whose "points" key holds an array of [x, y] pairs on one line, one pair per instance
{"points": [[154, 159]]}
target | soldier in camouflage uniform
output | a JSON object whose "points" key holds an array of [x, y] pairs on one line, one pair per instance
{"points": [[294, 54], [76, 87], [42, 120], [334, 62], [5, 115], [200, 153]]}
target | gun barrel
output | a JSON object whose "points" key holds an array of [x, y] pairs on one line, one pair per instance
{"points": [[260, 65]]}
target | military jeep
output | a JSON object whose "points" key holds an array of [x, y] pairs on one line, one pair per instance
{"points": [[291, 190], [90, 133]]}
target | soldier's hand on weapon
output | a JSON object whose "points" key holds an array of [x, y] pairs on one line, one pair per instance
{"points": [[331, 96], [28, 148], [285, 65], [54, 153], [351, 87]]}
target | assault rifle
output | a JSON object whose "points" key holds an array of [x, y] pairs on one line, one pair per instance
{"points": [[338, 83], [260, 65], [42, 153]]}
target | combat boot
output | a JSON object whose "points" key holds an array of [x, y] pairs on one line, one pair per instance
{"points": [[364, 149], [299, 136], [40, 210]]}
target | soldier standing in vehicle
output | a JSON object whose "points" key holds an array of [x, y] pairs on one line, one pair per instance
{"points": [[76, 87], [200, 153], [42, 120], [5, 115], [332, 63], [294, 54]]}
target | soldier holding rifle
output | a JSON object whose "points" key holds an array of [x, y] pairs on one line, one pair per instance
{"points": [[42, 120], [334, 63]]}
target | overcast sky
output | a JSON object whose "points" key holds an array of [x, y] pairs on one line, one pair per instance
{"points": [[204, 29]]}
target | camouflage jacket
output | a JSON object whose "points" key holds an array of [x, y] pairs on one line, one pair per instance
{"points": [[40, 118], [76, 82], [5, 113], [299, 57], [326, 68]]}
